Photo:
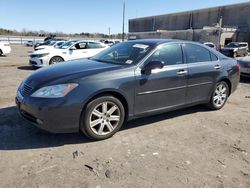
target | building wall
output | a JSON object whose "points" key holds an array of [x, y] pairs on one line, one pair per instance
{"points": [[199, 35], [237, 15]]}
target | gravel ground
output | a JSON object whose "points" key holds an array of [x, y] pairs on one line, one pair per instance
{"points": [[193, 147]]}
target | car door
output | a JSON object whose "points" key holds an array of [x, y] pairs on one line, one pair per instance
{"points": [[162, 88], [203, 70], [78, 51]]}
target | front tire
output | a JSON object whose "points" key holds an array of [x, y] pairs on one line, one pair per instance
{"points": [[55, 60], [102, 118], [219, 96], [1, 52]]}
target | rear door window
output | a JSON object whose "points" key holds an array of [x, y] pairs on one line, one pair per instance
{"points": [[195, 53], [213, 57], [93, 45]]}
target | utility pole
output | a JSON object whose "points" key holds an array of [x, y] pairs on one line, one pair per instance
{"points": [[109, 32], [123, 21], [220, 31]]}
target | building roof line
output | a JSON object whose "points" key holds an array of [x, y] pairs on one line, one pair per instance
{"points": [[193, 11]]}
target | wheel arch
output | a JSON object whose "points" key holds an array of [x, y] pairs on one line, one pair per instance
{"points": [[228, 83], [56, 56], [121, 97]]}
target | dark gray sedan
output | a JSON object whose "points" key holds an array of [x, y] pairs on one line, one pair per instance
{"points": [[129, 80]]}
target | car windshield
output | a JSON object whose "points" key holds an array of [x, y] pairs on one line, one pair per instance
{"points": [[124, 53], [232, 45], [51, 43], [59, 44], [67, 44]]}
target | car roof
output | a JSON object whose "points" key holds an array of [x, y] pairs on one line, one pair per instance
{"points": [[154, 41]]}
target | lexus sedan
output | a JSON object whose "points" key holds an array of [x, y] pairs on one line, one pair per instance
{"points": [[129, 80]]}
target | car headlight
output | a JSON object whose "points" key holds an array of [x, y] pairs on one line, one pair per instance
{"points": [[39, 55], [55, 91], [235, 50]]}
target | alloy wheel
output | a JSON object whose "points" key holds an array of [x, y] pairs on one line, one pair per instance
{"points": [[55, 60], [220, 95], [104, 118]]}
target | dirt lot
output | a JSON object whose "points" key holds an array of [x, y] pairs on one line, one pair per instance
{"points": [[193, 147]]}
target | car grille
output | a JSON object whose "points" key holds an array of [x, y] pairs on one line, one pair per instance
{"points": [[26, 90], [33, 62]]}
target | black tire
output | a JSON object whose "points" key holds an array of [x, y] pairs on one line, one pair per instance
{"points": [[55, 60], [1, 52], [87, 116], [212, 104]]}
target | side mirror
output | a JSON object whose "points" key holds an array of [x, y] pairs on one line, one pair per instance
{"points": [[154, 64]]}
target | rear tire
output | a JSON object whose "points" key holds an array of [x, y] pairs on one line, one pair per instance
{"points": [[219, 96], [1, 52], [55, 60], [102, 118]]}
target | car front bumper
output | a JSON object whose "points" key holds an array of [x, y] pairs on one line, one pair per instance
{"points": [[52, 115], [39, 62], [245, 68], [245, 71], [6, 50]]}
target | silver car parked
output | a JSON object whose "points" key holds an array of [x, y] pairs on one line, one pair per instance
{"points": [[245, 66]]}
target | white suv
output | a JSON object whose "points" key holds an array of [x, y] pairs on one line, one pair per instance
{"points": [[70, 50], [4, 48]]}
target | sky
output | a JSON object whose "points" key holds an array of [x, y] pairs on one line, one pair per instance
{"points": [[95, 16]]}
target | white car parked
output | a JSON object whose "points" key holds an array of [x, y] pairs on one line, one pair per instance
{"points": [[52, 44], [210, 44], [4, 48], [70, 50]]}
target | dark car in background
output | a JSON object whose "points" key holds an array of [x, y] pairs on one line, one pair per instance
{"points": [[244, 66], [48, 41], [129, 80], [235, 49]]}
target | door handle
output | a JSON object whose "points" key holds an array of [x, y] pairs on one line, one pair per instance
{"points": [[217, 67], [182, 72]]}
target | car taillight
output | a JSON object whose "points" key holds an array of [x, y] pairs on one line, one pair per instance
{"points": [[238, 66]]}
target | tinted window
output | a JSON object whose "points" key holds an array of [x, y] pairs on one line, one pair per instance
{"points": [[195, 53], [94, 45], [79, 46], [213, 57], [170, 54], [243, 45]]}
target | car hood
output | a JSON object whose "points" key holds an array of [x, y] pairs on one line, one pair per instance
{"points": [[48, 49], [67, 71]]}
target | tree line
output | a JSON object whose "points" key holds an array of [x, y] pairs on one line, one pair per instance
{"points": [[41, 33]]}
